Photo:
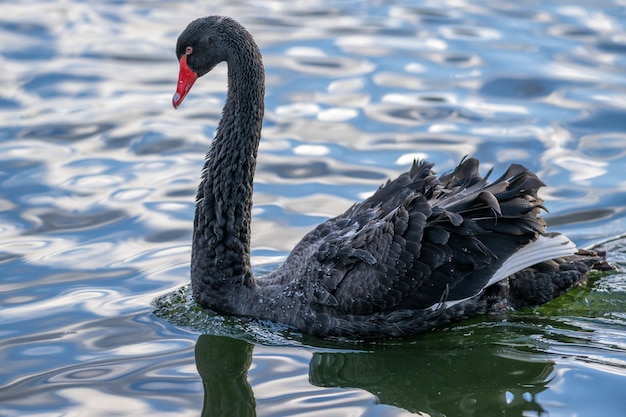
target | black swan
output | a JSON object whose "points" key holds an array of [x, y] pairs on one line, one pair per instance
{"points": [[421, 251]]}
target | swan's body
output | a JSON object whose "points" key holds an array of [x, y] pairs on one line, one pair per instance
{"points": [[423, 250]]}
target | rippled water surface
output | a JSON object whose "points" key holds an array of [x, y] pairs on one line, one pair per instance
{"points": [[98, 177]]}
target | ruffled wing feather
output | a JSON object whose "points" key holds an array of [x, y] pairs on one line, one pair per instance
{"points": [[421, 239]]}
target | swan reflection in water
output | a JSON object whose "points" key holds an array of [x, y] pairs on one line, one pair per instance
{"points": [[465, 381], [223, 364]]}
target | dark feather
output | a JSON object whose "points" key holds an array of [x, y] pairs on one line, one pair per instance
{"points": [[417, 254]]}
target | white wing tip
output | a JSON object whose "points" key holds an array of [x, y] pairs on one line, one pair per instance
{"points": [[544, 248]]}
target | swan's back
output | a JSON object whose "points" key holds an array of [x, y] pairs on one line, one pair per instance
{"points": [[419, 252]]}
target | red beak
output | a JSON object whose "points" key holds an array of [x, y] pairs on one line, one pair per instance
{"points": [[186, 78]]}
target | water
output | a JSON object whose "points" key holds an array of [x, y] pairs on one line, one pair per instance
{"points": [[98, 177]]}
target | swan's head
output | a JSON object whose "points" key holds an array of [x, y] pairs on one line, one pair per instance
{"points": [[202, 45]]}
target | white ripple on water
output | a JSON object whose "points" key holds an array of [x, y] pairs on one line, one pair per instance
{"points": [[289, 368], [97, 301], [130, 194], [604, 146], [369, 45]]}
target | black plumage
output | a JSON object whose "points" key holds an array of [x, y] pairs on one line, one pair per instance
{"points": [[421, 251]]}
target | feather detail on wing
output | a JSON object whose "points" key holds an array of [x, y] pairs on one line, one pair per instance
{"points": [[547, 246], [422, 240]]}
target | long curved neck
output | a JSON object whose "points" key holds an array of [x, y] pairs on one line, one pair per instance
{"points": [[221, 240]]}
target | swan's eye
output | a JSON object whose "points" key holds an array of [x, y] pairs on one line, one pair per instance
{"points": [[188, 50]]}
